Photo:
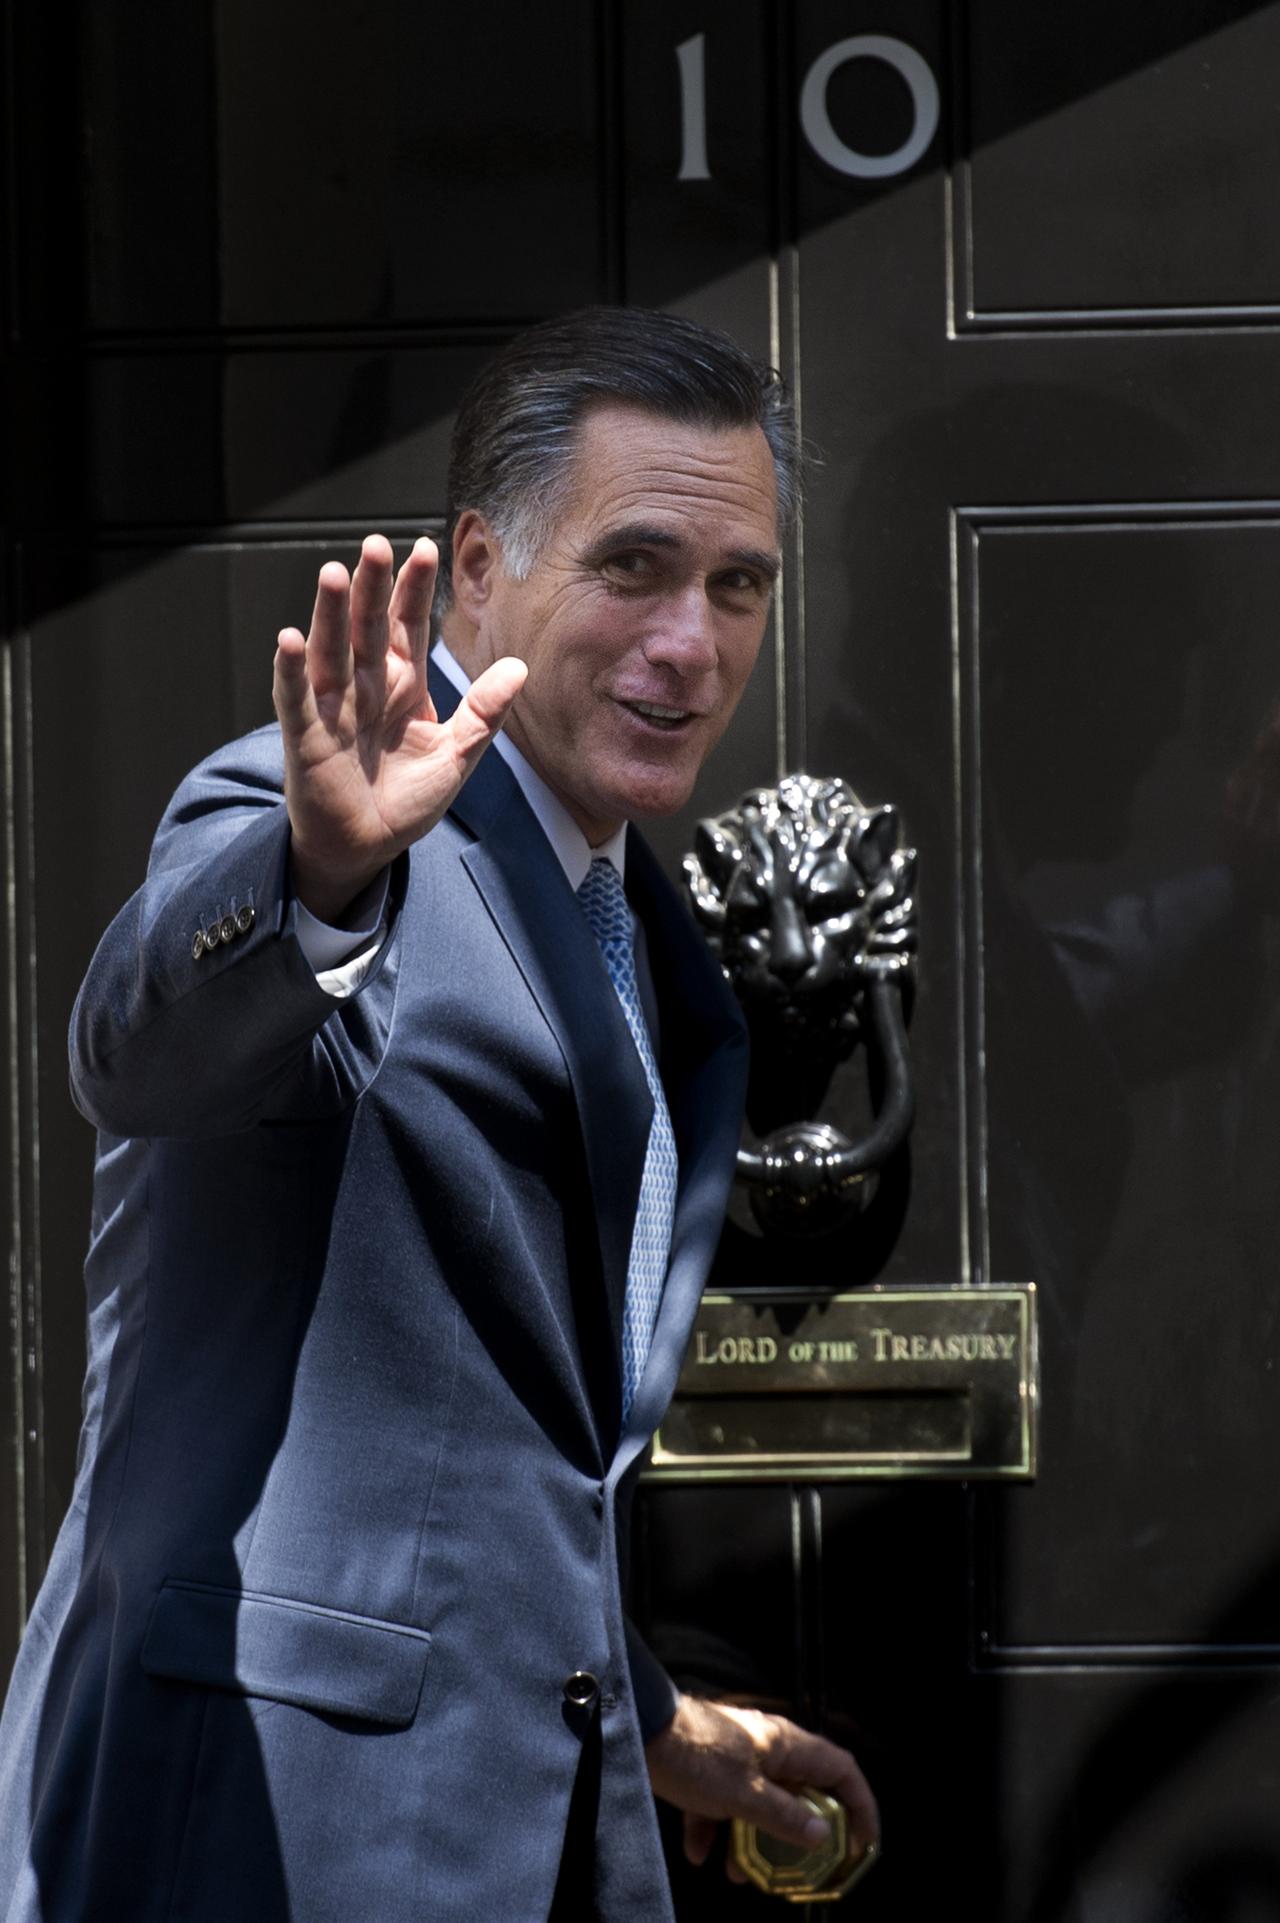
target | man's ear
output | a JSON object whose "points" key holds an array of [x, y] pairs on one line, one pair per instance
{"points": [[476, 559]]}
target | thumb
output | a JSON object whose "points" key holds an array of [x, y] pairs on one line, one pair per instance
{"points": [[787, 1816], [485, 706]]}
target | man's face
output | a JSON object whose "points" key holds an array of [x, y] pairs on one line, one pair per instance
{"points": [[642, 618]]}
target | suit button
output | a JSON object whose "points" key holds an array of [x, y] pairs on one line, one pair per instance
{"points": [[197, 946], [244, 919], [227, 929], [581, 1689], [213, 934]]}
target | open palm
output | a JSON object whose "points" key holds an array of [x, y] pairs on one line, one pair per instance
{"points": [[368, 766]]}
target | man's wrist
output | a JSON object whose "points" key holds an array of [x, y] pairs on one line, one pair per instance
{"points": [[337, 900]]}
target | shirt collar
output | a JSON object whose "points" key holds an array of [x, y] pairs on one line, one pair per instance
{"points": [[573, 851]]}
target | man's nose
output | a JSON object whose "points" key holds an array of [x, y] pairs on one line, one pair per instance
{"points": [[685, 639]]}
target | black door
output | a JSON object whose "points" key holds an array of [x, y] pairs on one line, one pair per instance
{"points": [[1023, 266]]}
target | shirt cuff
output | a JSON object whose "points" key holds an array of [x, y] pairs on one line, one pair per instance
{"points": [[342, 957]]}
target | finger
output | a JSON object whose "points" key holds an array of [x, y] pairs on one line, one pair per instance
{"points": [[290, 684], [781, 1813], [733, 1869], [699, 1838], [802, 1757], [484, 707], [411, 600], [328, 641], [370, 597]]}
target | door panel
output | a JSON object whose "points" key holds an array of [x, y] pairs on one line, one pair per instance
{"points": [[1146, 199], [304, 175], [1125, 668], [1139, 1795]]}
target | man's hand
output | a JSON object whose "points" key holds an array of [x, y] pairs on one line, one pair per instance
{"points": [[368, 768], [714, 1760]]}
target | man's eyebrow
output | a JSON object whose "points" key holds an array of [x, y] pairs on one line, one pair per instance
{"points": [[632, 534], [770, 565], [643, 534]]}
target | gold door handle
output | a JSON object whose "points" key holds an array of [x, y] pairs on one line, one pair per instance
{"points": [[820, 1873]]}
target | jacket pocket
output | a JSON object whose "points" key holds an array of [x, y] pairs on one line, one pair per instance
{"points": [[290, 1652]]}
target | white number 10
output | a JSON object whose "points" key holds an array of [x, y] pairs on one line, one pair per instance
{"points": [[814, 117]]}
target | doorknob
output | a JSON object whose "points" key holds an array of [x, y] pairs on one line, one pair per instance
{"points": [[797, 1874], [807, 899]]}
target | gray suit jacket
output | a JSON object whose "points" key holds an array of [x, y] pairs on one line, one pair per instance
{"points": [[351, 1495]]}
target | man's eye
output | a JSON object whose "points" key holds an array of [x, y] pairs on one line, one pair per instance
{"points": [[741, 581], [632, 568]]}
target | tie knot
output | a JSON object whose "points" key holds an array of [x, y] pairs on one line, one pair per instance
{"points": [[604, 903]]}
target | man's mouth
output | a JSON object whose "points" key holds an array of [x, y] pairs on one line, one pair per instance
{"points": [[657, 715]]}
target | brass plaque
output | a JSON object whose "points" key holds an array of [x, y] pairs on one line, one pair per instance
{"points": [[881, 1383]]}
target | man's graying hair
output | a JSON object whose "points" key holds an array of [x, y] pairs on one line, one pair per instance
{"points": [[516, 433]]}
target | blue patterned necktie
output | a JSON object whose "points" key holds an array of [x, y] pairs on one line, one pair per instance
{"points": [[605, 906]]}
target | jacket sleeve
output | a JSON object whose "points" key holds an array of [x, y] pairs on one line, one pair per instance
{"points": [[654, 1693], [200, 1013]]}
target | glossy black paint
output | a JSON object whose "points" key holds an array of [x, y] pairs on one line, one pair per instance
{"points": [[254, 257]]}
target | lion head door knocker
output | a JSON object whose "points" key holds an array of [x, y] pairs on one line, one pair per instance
{"points": [[807, 900]]}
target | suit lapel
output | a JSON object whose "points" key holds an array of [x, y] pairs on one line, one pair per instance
{"points": [[699, 1014], [704, 1071], [534, 909]]}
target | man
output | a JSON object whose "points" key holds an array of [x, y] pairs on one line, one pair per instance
{"points": [[411, 1167]]}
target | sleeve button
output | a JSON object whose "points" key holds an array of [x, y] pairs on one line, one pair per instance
{"points": [[244, 918], [581, 1689], [197, 945], [227, 930]]}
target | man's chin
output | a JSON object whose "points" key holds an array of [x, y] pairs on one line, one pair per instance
{"points": [[655, 794], [643, 792]]}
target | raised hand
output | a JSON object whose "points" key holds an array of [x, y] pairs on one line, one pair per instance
{"points": [[368, 767], [715, 1760]]}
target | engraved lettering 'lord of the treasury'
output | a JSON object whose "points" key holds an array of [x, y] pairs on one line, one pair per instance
{"points": [[881, 1383]]}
